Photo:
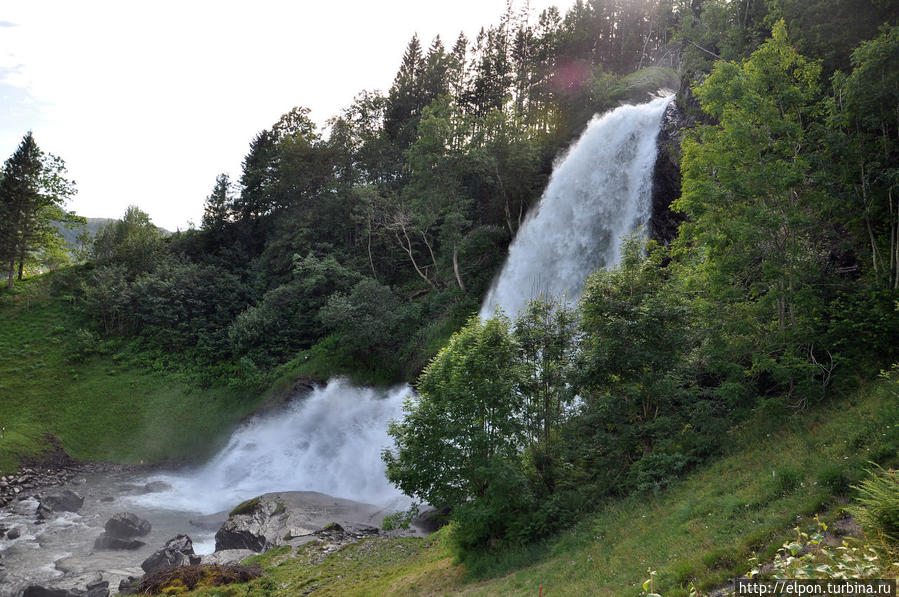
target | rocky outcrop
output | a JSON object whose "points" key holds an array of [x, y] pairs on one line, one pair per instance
{"points": [[666, 179], [278, 518], [178, 551], [122, 531], [683, 114], [64, 501]]}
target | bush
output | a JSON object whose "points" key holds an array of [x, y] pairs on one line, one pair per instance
{"points": [[656, 471]]}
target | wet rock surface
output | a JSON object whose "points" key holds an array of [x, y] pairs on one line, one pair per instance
{"points": [[178, 551], [666, 179], [277, 518], [63, 501]]}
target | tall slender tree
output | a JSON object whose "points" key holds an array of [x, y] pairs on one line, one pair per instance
{"points": [[33, 191]]}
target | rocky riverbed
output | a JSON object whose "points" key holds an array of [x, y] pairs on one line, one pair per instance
{"points": [[86, 528]]}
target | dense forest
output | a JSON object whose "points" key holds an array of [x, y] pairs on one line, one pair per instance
{"points": [[365, 248]]}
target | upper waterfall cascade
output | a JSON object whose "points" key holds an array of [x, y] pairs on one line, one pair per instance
{"points": [[599, 191]]}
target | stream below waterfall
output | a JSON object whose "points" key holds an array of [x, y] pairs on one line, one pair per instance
{"points": [[328, 440]]}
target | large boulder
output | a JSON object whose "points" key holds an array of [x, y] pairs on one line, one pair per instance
{"points": [[122, 531], [126, 525], [64, 501], [278, 518], [178, 551]]}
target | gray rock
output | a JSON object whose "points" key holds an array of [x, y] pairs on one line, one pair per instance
{"points": [[227, 556], [94, 589], [156, 487], [105, 541], [432, 519], [65, 501], [121, 532], [125, 525], [178, 551], [277, 518], [14, 533], [39, 591], [98, 589], [128, 586], [666, 179]]}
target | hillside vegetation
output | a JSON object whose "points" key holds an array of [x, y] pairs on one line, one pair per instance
{"points": [[778, 472], [584, 440], [101, 402]]}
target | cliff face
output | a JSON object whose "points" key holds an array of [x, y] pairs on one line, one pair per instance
{"points": [[666, 178]]}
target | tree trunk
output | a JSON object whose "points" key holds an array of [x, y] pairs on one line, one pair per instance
{"points": [[12, 272], [456, 268]]}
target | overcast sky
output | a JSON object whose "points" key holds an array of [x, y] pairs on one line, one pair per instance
{"points": [[147, 102]]}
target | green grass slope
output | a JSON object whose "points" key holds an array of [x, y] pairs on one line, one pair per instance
{"points": [[98, 403], [778, 472]]}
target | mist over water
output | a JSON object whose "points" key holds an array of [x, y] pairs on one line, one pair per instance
{"points": [[329, 441], [598, 192]]}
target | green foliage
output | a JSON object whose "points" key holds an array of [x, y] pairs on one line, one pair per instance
{"points": [[877, 510], [864, 154], [245, 507], [457, 427], [401, 519], [636, 340], [756, 242], [133, 242], [808, 557], [365, 320]]}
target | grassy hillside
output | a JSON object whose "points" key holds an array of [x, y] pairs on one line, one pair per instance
{"points": [[778, 473], [57, 378]]}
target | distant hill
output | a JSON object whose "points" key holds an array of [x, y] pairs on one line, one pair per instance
{"points": [[93, 227], [71, 234]]}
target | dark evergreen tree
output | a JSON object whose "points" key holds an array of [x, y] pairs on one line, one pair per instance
{"points": [[405, 100], [218, 210], [258, 179]]}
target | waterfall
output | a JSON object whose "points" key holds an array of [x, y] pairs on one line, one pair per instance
{"points": [[599, 191], [329, 441]]}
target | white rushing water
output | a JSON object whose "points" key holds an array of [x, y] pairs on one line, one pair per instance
{"points": [[599, 191], [329, 441]]}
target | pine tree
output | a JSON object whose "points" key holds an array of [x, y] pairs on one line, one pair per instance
{"points": [[32, 193], [405, 100]]}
